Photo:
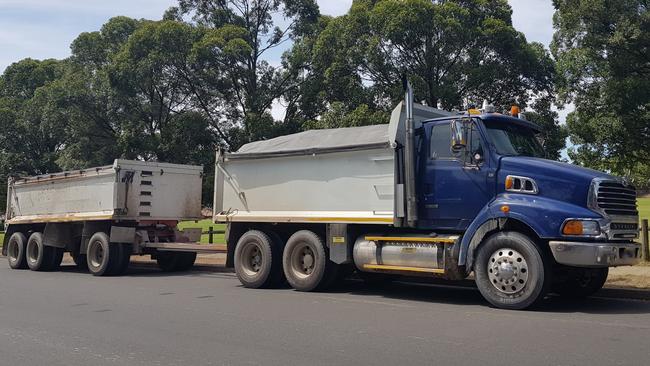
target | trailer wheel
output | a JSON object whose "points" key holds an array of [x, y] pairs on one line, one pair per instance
{"points": [[57, 258], [511, 272], [258, 260], [185, 261], [167, 261], [306, 262], [80, 260], [582, 282], [102, 255], [123, 258], [39, 257], [16, 248]]}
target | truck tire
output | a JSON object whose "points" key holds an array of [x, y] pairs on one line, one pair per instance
{"points": [[102, 255], [39, 257], [582, 282], [80, 260], [16, 247], [123, 259], [185, 261], [511, 272], [258, 260], [306, 262], [57, 258]]}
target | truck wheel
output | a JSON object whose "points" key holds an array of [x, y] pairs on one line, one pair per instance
{"points": [[39, 257], [511, 272], [185, 261], [123, 258], [258, 260], [57, 258], [80, 260], [102, 255], [16, 248], [582, 282], [306, 262], [167, 261]]}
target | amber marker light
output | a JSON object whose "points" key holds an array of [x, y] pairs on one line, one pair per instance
{"points": [[505, 209], [573, 227], [509, 182], [514, 111]]}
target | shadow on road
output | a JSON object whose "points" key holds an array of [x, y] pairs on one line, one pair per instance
{"points": [[456, 293]]}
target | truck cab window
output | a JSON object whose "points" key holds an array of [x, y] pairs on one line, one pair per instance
{"points": [[475, 148], [441, 142]]}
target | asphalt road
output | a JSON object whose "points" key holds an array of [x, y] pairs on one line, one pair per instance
{"points": [[207, 318]]}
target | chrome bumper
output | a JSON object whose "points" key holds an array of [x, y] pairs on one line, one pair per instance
{"points": [[581, 254]]}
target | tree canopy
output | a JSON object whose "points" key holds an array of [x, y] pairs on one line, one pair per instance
{"points": [[602, 51], [208, 75]]}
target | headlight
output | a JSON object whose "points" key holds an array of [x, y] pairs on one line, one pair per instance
{"points": [[581, 227]]}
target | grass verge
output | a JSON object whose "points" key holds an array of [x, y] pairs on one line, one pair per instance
{"points": [[204, 225]]}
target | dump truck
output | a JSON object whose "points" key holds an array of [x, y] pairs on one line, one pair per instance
{"points": [[432, 194], [103, 215]]}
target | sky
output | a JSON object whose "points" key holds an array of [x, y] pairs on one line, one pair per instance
{"points": [[43, 29]]}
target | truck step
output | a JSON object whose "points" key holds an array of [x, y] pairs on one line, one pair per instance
{"points": [[383, 267], [448, 239]]}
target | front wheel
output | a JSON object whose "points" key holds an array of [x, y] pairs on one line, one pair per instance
{"points": [[511, 272]]}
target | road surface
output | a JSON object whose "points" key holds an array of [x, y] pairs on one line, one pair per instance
{"points": [[207, 318]]}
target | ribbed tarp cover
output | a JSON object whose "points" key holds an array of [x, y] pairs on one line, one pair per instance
{"points": [[327, 139]]}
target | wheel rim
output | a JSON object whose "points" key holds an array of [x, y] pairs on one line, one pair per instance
{"points": [[508, 271], [252, 259], [13, 251], [303, 260], [33, 252], [96, 254]]}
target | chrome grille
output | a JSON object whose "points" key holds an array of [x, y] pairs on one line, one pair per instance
{"points": [[617, 199]]}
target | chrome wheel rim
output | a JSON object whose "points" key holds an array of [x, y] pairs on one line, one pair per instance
{"points": [[252, 259], [33, 252], [303, 260], [96, 254], [508, 271]]}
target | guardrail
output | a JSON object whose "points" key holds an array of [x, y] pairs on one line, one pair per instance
{"points": [[211, 231]]}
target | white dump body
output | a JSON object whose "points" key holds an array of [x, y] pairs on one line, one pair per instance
{"points": [[345, 175], [126, 190]]}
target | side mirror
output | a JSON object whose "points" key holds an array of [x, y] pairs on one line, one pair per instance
{"points": [[459, 134]]}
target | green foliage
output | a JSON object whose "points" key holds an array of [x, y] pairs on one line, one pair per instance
{"points": [[602, 51]]}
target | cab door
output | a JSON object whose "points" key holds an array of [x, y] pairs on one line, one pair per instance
{"points": [[453, 187]]}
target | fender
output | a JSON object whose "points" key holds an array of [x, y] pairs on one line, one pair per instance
{"points": [[543, 215]]}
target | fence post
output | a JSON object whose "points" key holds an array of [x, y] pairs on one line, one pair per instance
{"points": [[210, 235], [644, 240]]}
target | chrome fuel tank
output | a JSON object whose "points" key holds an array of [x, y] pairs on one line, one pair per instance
{"points": [[398, 253]]}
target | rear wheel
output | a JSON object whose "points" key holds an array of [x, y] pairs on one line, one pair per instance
{"points": [[39, 256], [16, 247], [123, 258], [101, 256], [80, 260], [511, 272], [258, 260], [582, 282], [306, 262]]}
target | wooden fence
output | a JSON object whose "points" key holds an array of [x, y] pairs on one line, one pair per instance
{"points": [[211, 231]]}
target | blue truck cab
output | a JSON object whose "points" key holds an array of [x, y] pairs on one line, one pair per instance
{"points": [[496, 176]]}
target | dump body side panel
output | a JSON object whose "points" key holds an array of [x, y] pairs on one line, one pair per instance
{"points": [[347, 186]]}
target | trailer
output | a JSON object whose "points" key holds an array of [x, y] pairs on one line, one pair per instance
{"points": [[103, 215]]}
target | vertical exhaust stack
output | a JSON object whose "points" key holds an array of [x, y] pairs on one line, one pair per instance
{"points": [[409, 158]]}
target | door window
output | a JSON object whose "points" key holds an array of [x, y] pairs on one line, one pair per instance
{"points": [[441, 142]]}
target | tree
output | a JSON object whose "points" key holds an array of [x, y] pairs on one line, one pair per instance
{"points": [[603, 59], [256, 83]]}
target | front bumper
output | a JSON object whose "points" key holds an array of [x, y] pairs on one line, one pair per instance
{"points": [[597, 254]]}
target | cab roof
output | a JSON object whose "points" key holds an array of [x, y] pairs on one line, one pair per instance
{"points": [[495, 117]]}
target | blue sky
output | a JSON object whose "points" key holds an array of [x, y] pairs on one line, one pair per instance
{"points": [[45, 28]]}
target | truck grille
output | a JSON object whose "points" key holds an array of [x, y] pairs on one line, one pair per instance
{"points": [[617, 199]]}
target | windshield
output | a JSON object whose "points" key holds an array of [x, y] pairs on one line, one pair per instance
{"points": [[514, 140]]}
